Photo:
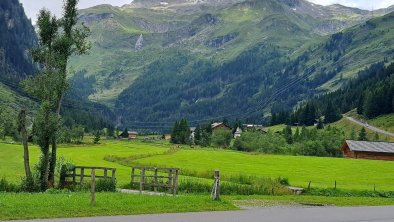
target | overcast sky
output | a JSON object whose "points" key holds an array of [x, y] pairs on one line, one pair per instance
{"points": [[33, 6]]}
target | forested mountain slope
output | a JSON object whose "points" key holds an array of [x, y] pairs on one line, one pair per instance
{"points": [[156, 61], [17, 36]]}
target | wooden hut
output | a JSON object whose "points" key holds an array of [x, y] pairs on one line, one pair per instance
{"points": [[368, 150]]}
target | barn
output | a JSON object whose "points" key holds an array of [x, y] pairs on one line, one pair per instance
{"points": [[368, 150]]}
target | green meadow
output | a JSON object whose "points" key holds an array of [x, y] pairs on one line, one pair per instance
{"points": [[350, 174]]}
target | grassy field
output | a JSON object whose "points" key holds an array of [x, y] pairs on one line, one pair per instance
{"points": [[107, 204], [349, 173], [89, 155]]}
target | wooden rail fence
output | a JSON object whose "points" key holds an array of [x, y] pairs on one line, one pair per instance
{"points": [[78, 174], [155, 177]]}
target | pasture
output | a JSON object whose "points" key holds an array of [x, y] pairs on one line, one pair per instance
{"points": [[350, 174]]}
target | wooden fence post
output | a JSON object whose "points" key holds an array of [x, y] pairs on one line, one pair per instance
{"points": [[155, 187], [132, 177], [74, 175], [309, 185], [335, 186], [170, 180], [105, 173], [374, 187], [113, 175], [142, 179], [82, 175], [93, 188], [176, 182], [216, 186]]}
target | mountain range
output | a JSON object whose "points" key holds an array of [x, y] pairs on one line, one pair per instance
{"points": [[153, 62]]}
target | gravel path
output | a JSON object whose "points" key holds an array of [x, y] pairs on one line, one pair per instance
{"points": [[273, 214], [366, 125]]}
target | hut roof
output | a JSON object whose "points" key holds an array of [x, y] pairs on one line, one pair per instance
{"points": [[368, 146]]}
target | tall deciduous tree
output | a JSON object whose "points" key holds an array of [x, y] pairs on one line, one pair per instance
{"points": [[59, 39]]}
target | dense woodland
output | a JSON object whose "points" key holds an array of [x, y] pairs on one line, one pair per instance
{"points": [[371, 93], [17, 36]]}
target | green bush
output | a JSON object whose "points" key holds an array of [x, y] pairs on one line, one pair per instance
{"points": [[222, 138], [6, 186], [331, 192], [105, 185]]}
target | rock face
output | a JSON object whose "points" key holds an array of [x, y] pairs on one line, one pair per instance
{"points": [[221, 40], [17, 36], [140, 43], [90, 17]]}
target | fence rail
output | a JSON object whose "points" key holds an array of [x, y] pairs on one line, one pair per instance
{"points": [[82, 172]]}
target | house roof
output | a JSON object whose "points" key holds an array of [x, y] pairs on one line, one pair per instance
{"points": [[132, 132], [239, 130], [214, 125], [367, 146]]}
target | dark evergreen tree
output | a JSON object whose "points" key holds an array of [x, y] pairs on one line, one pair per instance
{"points": [[331, 114], [363, 135], [288, 134]]}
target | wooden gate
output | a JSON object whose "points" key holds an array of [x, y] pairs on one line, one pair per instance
{"points": [[155, 177]]}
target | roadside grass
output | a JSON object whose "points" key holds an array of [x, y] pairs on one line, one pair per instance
{"points": [[266, 201], [22, 206]]}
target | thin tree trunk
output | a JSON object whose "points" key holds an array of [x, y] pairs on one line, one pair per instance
{"points": [[45, 167], [52, 165], [23, 133]]}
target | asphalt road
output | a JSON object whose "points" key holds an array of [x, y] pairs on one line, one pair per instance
{"points": [[274, 214], [366, 125]]}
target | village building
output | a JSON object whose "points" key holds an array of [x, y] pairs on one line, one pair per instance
{"points": [[237, 133], [192, 132], [216, 126], [368, 150], [254, 127], [132, 135]]}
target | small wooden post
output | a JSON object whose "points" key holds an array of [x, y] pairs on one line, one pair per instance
{"points": [[93, 188], [216, 186], [374, 187], [155, 186], [74, 175], [105, 173], [113, 175], [170, 179], [82, 175], [176, 182], [335, 186], [132, 177], [142, 179], [309, 185]]}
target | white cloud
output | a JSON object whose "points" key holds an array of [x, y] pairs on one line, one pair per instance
{"points": [[363, 4]]}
